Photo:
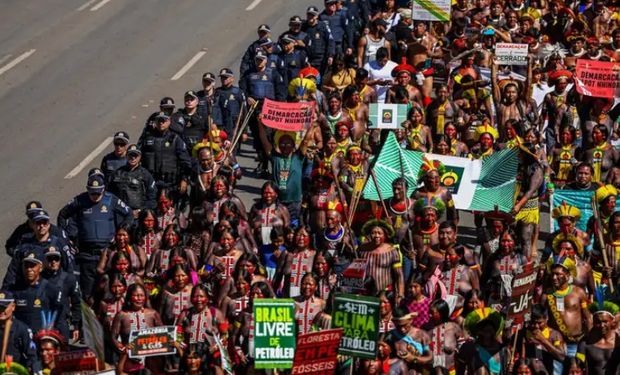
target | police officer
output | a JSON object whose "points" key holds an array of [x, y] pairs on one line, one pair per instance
{"points": [[320, 45], [27, 228], [20, 345], [116, 158], [134, 184], [338, 23], [293, 59], [248, 59], [228, 103], [188, 122], [272, 50], [37, 301], [258, 84], [167, 106], [165, 155], [90, 219], [39, 241], [70, 296], [206, 95], [295, 31]]}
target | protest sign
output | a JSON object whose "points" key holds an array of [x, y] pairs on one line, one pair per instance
{"points": [[521, 297], [274, 333], [431, 10], [287, 116], [359, 318], [153, 341], [598, 78], [317, 352], [386, 116], [511, 53], [354, 275], [77, 361]]}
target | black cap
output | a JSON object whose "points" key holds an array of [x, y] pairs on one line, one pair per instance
{"points": [[313, 10], [331, 1], [295, 20], [190, 94], [226, 73], [95, 172], [6, 297], [40, 215], [161, 116], [264, 28], [51, 252], [95, 184], [287, 38], [121, 136], [208, 77], [33, 206], [266, 42], [32, 257], [167, 102], [260, 55], [133, 149]]}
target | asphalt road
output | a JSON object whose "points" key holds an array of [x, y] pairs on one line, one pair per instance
{"points": [[72, 72]]}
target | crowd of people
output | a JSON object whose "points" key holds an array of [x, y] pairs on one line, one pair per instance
{"points": [[159, 237]]}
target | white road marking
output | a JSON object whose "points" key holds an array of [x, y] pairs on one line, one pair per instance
{"points": [[75, 171], [188, 66], [86, 5], [16, 61], [98, 6], [5, 58], [253, 5]]}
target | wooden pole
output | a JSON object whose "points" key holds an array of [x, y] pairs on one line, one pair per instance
{"points": [[5, 339], [374, 180], [599, 233]]}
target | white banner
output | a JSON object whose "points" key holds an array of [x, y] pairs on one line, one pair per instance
{"points": [[511, 53], [460, 177]]}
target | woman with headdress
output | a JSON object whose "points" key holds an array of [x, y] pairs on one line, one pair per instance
{"points": [[436, 179], [334, 239], [564, 156], [384, 264], [602, 342], [484, 137], [484, 354], [426, 228]]}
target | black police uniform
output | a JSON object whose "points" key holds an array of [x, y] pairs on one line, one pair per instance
{"points": [[136, 187], [110, 163], [205, 103], [30, 244], [293, 62], [191, 128], [320, 45], [92, 225], [21, 346], [32, 302], [228, 103], [165, 156], [71, 297], [21, 233], [247, 61], [301, 35], [342, 32]]}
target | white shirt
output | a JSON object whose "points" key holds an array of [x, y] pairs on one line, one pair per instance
{"points": [[376, 72]]}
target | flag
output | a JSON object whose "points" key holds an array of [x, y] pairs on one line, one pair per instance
{"points": [[386, 116], [478, 185]]}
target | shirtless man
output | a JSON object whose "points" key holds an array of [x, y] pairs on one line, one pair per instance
{"points": [[403, 74], [426, 230], [324, 191], [567, 217], [411, 344], [357, 111], [485, 355], [569, 246], [568, 305], [367, 92], [335, 239], [553, 106], [441, 111], [544, 345], [430, 175], [602, 342]]}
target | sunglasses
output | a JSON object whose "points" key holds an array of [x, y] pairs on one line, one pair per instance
{"points": [[53, 259]]}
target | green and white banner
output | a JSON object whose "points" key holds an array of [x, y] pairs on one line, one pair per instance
{"points": [[358, 316], [274, 333], [386, 116], [431, 10], [477, 185]]}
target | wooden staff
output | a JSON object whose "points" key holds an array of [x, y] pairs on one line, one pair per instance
{"points": [[514, 348], [5, 339], [374, 180], [237, 136], [341, 195], [598, 228]]}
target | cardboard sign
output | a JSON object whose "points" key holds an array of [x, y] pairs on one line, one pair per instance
{"points": [[274, 333], [77, 361], [521, 297], [511, 53], [598, 78], [386, 116], [154, 341], [353, 277], [358, 316], [431, 10], [317, 352], [287, 116]]}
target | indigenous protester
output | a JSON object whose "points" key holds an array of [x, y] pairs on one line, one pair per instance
{"points": [[409, 207]]}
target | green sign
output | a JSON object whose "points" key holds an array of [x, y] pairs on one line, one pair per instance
{"points": [[359, 317], [274, 333]]}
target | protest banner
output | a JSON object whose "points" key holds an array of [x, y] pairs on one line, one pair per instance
{"points": [[287, 116], [598, 78], [386, 116], [521, 295], [354, 275], [82, 361], [317, 352], [153, 341], [358, 316], [431, 10], [511, 54], [274, 333], [477, 185]]}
